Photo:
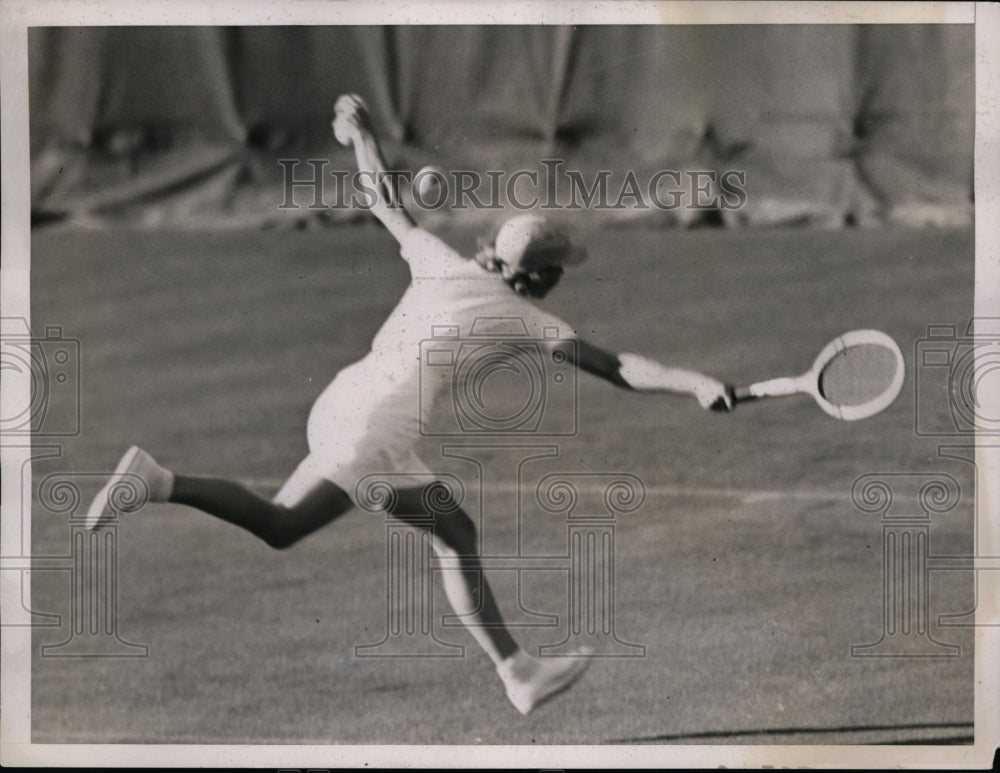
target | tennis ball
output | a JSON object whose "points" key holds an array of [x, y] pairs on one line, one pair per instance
{"points": [[430, 186]]}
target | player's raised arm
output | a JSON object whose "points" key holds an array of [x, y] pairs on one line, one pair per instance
{"points": [[351, 127], [633, 371]]}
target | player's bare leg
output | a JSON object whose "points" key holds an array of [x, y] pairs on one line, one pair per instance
{"points": [[456, 545], [305, 503], [529, 681], [308, 502], [279, 523]]}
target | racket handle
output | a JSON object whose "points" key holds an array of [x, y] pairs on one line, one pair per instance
{"points": [[776, 387]]}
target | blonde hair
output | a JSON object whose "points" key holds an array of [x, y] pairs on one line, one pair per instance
{"points": [[535, 284]]}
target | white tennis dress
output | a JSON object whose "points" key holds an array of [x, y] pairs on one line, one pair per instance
{"points": [[369, 418]]}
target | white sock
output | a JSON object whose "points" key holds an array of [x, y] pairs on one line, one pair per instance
{"points": [[159, 480], [520, 666]]}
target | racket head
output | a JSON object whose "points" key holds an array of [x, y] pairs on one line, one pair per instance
{"points": [[857, 375]]}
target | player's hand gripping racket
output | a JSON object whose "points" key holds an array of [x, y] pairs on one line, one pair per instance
{"points": [[855, 376]]}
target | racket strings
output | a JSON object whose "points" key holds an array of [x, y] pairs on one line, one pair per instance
{"points": [[858, 374]]}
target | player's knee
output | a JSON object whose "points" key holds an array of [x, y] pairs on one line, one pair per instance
{"points": [[457, 532], [281, 539], [281, 532]]}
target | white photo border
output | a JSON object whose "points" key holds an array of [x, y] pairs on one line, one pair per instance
{"points": [[16, 748]]}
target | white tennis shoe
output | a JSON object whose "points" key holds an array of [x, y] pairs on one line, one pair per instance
{"points": [[532, 681], [136, 463]]}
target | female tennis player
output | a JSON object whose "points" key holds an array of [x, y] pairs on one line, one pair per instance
{"points": [[368, 419]]}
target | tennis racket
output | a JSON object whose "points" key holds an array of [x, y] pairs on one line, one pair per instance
{"points": [[855, 376]]}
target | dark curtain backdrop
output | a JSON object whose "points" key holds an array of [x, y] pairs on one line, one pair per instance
{"points": [[185, 125]]}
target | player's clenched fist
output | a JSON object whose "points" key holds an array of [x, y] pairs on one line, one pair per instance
{"points": [[714, 395], [350, 116]]}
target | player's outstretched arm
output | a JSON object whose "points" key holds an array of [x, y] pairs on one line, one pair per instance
{"points": [[351, 126], [633, 371]]}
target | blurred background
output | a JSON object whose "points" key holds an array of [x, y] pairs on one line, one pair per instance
{"points": [[833, 125]]}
